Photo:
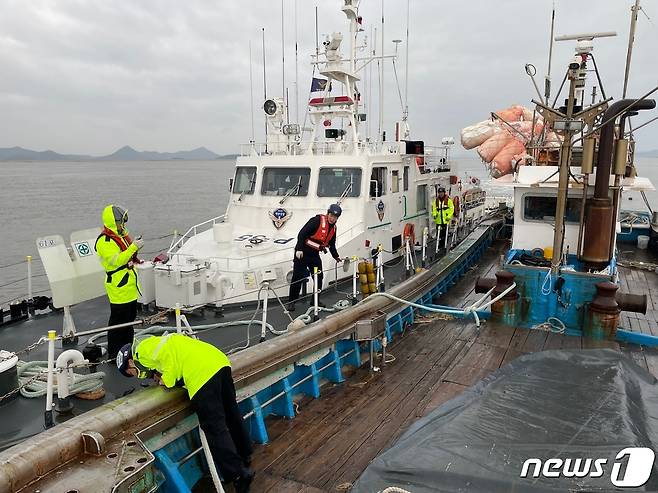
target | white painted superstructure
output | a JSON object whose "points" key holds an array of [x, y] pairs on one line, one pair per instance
{"points": [[382, 186]]}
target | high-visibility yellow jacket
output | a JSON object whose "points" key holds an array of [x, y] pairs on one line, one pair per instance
{"points": [[179, 357], [121, 283], [443, 212]]}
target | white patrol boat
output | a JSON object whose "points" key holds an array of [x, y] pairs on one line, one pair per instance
{"points": [[385, 189]]}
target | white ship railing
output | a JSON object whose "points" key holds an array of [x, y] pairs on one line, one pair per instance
{"points": [[193, 232], [223, 262], [317, 148]]}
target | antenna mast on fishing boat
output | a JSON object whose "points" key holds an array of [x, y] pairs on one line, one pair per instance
{"points": [[631, 39], [571, 120]]}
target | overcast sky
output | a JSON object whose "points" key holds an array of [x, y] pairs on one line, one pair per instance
{"points": [[88, 76]]}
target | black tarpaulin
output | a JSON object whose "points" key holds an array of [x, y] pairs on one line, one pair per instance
{"points": [[561, 405]]}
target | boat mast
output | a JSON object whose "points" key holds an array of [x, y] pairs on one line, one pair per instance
{"points": [[631, 38], [381, 86], [296, 69], [547, 81], [406, 72], [283, 56], [264, 86], [251, 97]]}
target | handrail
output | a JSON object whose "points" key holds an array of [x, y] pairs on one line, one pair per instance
{"points": [[188, 234], [341, 234]]}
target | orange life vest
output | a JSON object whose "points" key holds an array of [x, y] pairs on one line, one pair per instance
{"points": [[122, 241], [322, 236]]}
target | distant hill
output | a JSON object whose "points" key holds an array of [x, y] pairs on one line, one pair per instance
{"points": [[20, 154], [653, 153], [126, 153]]}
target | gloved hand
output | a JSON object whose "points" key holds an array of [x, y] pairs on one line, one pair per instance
{"points": [[299, 254], [139, 242], [338, 259]]}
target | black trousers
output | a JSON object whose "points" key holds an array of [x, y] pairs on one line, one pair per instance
{"points": [[221, 421], [120, 313], [301, 269]]}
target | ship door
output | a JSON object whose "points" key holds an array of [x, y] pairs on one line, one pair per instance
{"points": [[379, 214]]}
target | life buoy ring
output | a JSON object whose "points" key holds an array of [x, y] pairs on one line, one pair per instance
{"points": [[420, 162], [455, 203], [409, 232]]}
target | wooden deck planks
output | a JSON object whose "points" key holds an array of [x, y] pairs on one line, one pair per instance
{"points": [[333, 439]]}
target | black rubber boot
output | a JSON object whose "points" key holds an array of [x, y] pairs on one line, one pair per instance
{"points": [[243, 483]]}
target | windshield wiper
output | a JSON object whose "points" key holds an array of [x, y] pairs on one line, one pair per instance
{"points": [[294, 190], [348, 189], [252, 182]]}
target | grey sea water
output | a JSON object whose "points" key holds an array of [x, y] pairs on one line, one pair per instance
{"points": [[61, 197]]}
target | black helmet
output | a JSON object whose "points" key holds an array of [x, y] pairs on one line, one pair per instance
{"points": [[120, 214], [124, 354], [335, 210], [441, 189]]}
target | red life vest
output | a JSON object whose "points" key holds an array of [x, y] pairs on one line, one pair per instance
{"points": [[123, 242], [322, 236]]}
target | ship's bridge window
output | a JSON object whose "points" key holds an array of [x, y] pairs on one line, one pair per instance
{"points": [[542, 208], [286, 181], [245, 180], [334, 182]]}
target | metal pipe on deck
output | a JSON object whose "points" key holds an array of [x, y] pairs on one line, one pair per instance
{"points": [[48, 415]]}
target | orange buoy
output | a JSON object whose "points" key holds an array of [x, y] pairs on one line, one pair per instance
{"points": [[410, 233]]}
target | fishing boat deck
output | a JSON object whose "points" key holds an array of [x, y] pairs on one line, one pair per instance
{"points": [[637, 274], [333, 439]]}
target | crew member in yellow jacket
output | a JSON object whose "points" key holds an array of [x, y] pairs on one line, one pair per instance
{"points": [[177, 359], [118, 255], [442, 211]]}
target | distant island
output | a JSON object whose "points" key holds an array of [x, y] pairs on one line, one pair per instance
{"points": [[126, 153]]}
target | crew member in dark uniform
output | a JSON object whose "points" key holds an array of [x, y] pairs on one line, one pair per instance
{"points": [[318, 234]]}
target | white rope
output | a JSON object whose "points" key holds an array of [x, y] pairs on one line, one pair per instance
{"points": [[395, 489], [339, 305], [544, 290], [552, 324], [469, 310], [37, 387]]}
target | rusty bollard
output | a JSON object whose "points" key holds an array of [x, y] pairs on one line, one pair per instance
{"points": [[504, 310], [603, 313]]}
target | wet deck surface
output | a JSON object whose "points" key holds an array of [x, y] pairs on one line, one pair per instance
{"points": [[642, 276], [332, 439]]}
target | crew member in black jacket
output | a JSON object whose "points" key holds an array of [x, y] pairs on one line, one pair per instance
{"points": [[318, 234]]}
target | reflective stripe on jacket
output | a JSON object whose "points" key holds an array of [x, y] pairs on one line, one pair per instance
{"points": [[179, 357], [121, 283], [442, 210], [323, 235]]}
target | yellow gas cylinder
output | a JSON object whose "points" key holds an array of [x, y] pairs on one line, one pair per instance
{"points": [[548, 253]]}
